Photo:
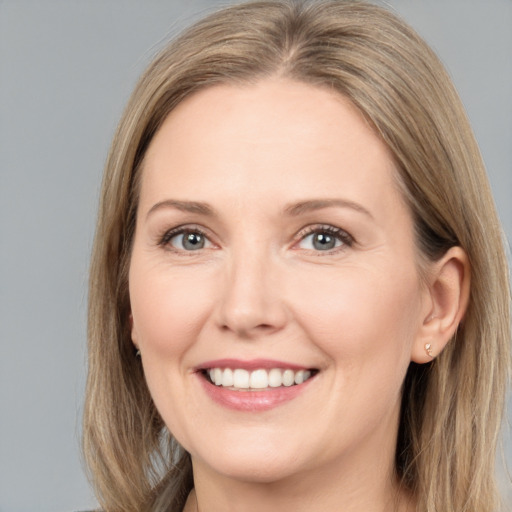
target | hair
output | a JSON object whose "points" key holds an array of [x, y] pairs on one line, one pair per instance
{"points": [[452, 408]]}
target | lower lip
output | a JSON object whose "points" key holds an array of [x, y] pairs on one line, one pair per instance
{"points": [[252, 401]]}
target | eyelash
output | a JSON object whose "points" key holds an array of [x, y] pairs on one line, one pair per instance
{"points": [[345, 238]]}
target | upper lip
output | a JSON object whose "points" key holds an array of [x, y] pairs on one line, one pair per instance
{"points": [[252, 364]]}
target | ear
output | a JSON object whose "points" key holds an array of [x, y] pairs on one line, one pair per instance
{"points": [[447, 293]]}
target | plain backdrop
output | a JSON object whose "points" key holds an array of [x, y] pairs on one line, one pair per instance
{"points": [[66, 70]]}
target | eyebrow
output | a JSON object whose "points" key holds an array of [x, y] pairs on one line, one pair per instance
{"points": [[184, 206], [294, 209], [301, 207]]}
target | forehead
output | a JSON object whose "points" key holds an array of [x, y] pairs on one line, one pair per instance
{"points": [[277, 138]]}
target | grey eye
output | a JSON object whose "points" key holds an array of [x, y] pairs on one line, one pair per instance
{"points": [[188, 241], [323, 241], [320, 241]]}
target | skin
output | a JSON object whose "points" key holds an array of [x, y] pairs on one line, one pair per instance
{"points": [[260, 288]]}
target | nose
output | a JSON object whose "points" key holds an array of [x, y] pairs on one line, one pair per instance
{"points": [[251, 302]]}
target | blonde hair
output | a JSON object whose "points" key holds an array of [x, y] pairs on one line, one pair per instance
{"points": [[452, 408]]}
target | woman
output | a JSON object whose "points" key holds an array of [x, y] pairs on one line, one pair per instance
{"points": [[298, 289]]}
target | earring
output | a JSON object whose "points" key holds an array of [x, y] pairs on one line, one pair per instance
{"points": [[428, 349], [137, 354]]}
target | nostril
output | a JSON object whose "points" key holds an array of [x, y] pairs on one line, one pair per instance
{"points": [[265, 327], [247, 332]]}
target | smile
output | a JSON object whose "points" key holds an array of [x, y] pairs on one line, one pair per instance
{"points": [[254, 386], [239, 379]]}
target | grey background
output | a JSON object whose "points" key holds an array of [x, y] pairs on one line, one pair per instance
{"points": [[66, 69]]}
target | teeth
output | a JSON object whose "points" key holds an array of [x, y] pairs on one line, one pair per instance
{"points": [[227, 378], [288, 378], [257, 379], [241, 379], [275, 378]]}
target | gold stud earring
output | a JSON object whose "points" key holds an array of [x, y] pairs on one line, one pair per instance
{"points": [[428, 349]]}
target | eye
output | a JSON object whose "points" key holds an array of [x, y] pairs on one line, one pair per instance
{"points": [[186, 239], [324, 239]]}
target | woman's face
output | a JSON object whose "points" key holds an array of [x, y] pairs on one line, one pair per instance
{"points": [[272, 245]]}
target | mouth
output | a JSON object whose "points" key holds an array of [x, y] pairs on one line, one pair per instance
{"points": [[256, 385], [259, 379]]}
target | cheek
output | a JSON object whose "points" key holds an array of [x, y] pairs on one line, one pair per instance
{"points": [[360, 313], [365, 323], [167, 308]]}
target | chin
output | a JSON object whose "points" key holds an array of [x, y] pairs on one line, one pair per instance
{"points": [[263, 472], [254, 462]]}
